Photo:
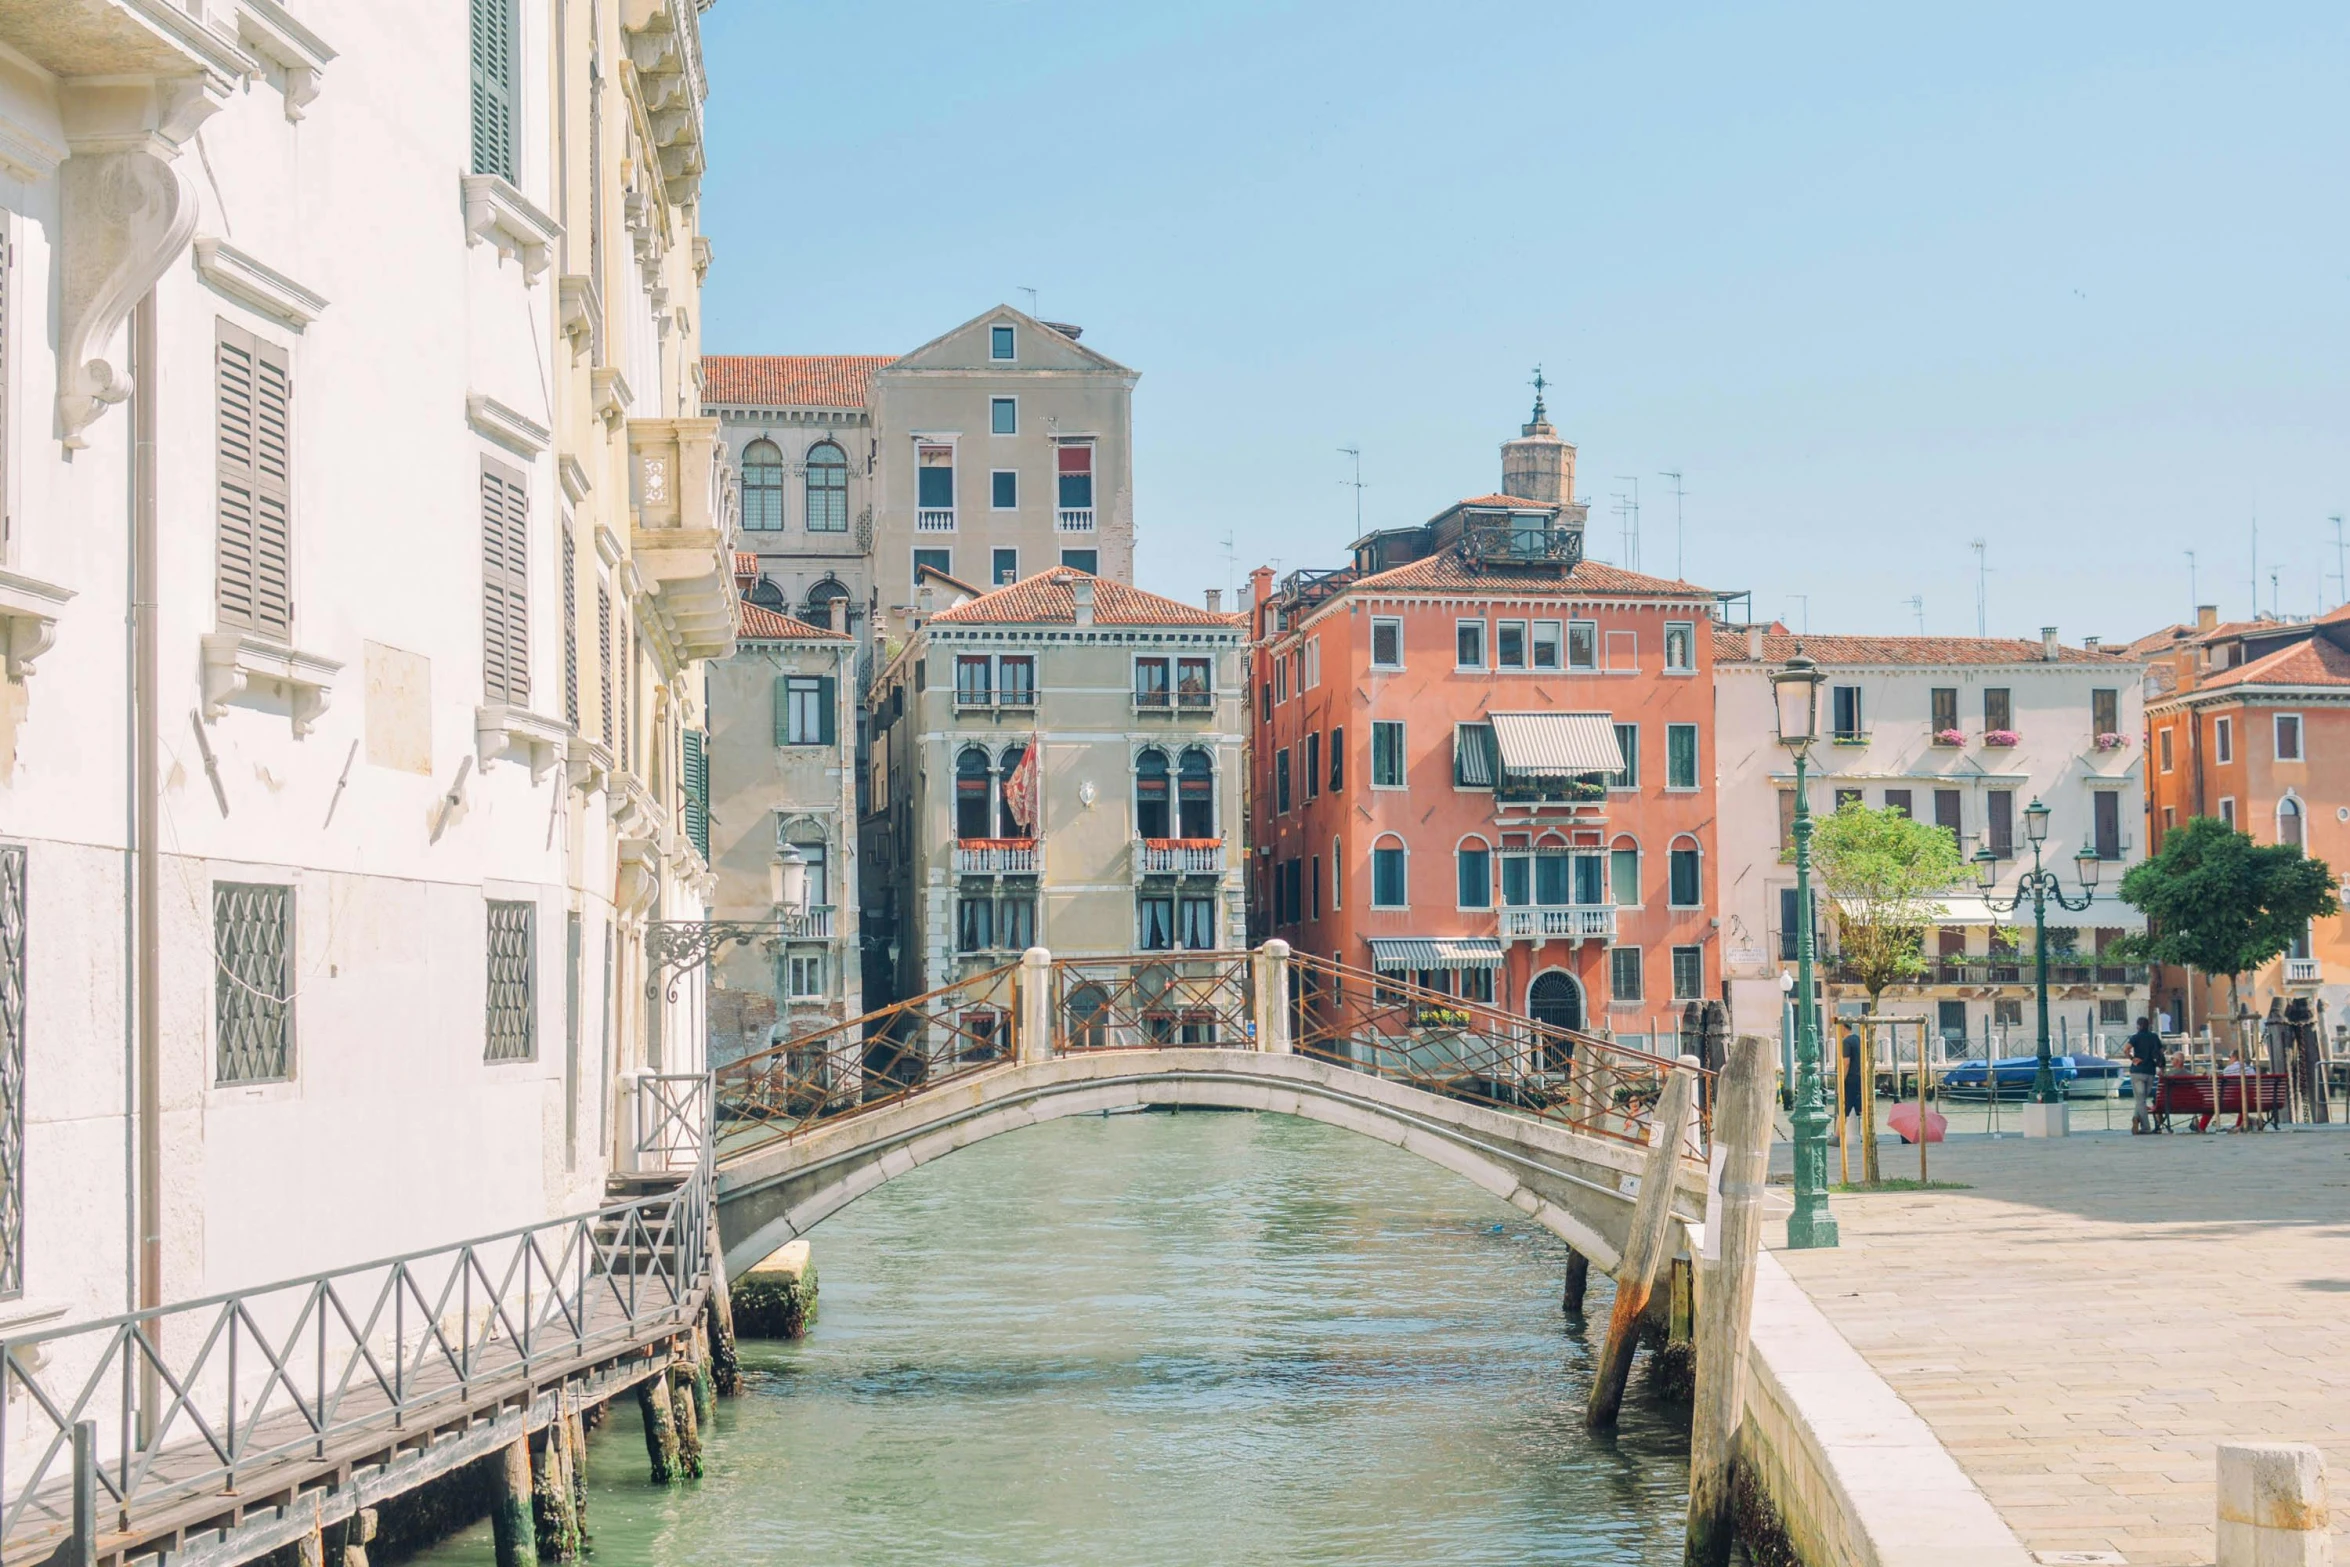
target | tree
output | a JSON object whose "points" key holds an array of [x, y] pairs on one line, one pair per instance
{"points": [[2220, 904], [1885, 875]]}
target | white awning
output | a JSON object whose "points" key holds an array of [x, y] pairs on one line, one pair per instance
{"points": [[2105, 911], [1556, 745], [1394, 954]]}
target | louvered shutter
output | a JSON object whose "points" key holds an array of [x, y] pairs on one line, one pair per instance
{"points": [[697, 792], [569, 632], [505, 585], [7, 287], [782, 710], [493, 88], [253, 564], [829, 732]]}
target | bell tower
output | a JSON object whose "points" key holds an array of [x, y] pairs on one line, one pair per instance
{"points": [[1538, 466]]}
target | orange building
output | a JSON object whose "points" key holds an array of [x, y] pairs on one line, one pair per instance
{"points": [[1486, 763], [2249, 722]]}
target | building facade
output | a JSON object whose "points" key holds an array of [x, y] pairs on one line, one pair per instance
{"points": [[783, 765], [1486, 762], [1964, 732], [1056, 763], [314, 907], [2251, 726]]}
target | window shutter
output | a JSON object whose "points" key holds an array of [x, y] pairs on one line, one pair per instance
{"points": [[782, 710], [697, 792], [569, 631], [7, 264], [493, 88], [604, 658], [824, 704], [253, 404], [505, 586]]}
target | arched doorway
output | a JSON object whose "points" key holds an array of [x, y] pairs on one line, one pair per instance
{"points": [[1555, 1001]]}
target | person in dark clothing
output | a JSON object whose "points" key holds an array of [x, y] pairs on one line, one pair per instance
{"points": [[1851, 1071], [2146, 1058]]}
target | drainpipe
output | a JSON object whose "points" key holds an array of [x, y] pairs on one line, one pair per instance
{"points": [[146, 783]]}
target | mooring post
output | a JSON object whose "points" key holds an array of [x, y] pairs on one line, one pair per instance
{"points": [[1270, 1006], [554, 1509], [653, 1402], [82, 1549], [1036, 1006], [698, 1364], [726, 1372], [689, 1428], [2272, 1506], [1646, 1245], [1725, 1293], [510, 1513], [1578, 1277]]}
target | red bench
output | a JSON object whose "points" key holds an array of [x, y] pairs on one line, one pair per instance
{"points": [[2190, 1094]]}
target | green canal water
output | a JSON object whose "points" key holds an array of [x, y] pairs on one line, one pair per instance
{"points": [[1164, 1339]]}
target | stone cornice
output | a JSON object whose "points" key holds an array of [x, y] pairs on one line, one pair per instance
{"points": [[255, 285], [517, 432]]}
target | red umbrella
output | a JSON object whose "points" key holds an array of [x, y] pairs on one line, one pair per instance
{"points": [[1903, 1118]]}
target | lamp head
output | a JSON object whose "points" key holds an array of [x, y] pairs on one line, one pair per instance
{"points": [[1795, 688], [1786, 983], [2036, 821], [1986, 867], [787, 878], [2088, 865]]}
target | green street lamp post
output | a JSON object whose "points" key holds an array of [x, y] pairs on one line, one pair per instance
{"points": [[2042, 888], [1795, 689]]}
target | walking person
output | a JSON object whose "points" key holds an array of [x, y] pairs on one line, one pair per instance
{"points": [[1851, 1073], [2146, 1057]]}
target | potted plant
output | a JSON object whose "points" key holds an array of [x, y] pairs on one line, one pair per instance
{"points": [[1950, 737], [2110, 741], [2002, 737]]}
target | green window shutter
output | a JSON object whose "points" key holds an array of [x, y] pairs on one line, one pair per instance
{"points": [[782, 710], [697, 793], [235, 484], [824, 704], [493, 88], [505, 585]]}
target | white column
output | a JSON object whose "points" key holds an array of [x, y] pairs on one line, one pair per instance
{"points": [[1272, 999], [1036, 1006]]}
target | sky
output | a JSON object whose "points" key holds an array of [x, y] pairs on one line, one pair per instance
{"points": [[1877, 281]]}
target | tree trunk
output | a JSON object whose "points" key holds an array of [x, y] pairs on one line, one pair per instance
{"points": [[1868, 1096]]}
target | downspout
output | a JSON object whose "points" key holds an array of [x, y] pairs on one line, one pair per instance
{"points": [[148, 803]]}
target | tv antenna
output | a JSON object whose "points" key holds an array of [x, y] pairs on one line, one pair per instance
{"points": [[1031, 293], [1917, 607], [1805, 600], [1982, 549], [1355, 483], [2341, 569], [1629, 510], [2194, 594], [1232, 569], [1674, 474]]}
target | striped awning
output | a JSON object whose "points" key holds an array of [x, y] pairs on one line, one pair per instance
{"points": [[1556, 745], [1393, 954]]}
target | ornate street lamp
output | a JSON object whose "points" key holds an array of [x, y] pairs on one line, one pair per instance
{"points": [[2048, 1117], [1795, 689], [675, 948]]}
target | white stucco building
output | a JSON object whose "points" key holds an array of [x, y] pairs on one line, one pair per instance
{"points": [[1965, 732], [363, 550]]}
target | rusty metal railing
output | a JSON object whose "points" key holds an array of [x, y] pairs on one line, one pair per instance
{"points": [[1152, 1000]]}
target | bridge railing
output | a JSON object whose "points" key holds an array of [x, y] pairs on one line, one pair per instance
{"points": [[869, 1061], [673, 1120], [1153, 1000], [182, 1415], [1381, 1024]]}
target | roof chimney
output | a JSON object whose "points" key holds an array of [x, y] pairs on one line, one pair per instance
{"points": [[926, 598], [1260, 584], [2048, 643], [1081, 596], [1754, 645], [1215, 601], [2091, 643], [2206, 616]]}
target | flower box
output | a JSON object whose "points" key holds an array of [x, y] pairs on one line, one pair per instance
{"points": [[1950, 737], [2002, 737], [2110, 741]]}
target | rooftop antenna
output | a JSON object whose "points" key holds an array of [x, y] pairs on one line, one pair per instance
{"points": [[1674, 474], [1917, 607], [2341, 567], [1982, 548], [2194, 596], [1031, 293], [1805, 600], [1232, 569], [1631, 515], [1355, 483], [2272, 594]]}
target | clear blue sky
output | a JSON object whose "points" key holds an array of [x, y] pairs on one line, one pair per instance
{"points": [[2071, 279]]}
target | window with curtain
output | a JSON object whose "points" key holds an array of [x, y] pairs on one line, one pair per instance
{"points": [[1680, 756], [1627, 743], [1623, 973], [1387, 877], [762, 487], [1195, 804], [828, 489], [1550, 876], [1517, 878], [1150, 795], [2288, 821], [1386, 755], [1475, 861], [975, 919], [972, 812], [1197, 924], [1687, 884], [1623, 874], [1155, 920], [1590, 878]]}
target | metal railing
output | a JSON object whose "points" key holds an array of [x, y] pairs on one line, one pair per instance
{"points": [[1577, 922], [673, 1119], [1179, 856], [998, 856], [1074, 519], [1152, 1000], [934, 519], [189, 1413], [2301, 971], [1470, 1051], [869, 1061]]}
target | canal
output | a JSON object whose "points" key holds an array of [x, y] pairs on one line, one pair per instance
{"points": [[1165, 1339]]}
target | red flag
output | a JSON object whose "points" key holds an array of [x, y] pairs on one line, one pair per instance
{"points": [[1023, 790]]}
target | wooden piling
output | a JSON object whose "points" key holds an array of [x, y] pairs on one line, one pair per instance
{"points": [[1578, 1277], [554, 1499], [358, 1533], [705, 1391], [1646, 1245], [689, 1428], [726, 1376], [510, 1511], [1725, 1294], [575, 1446], [652, 1399]]}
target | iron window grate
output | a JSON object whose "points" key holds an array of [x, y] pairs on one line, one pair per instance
{"points": [[512, 1018], [253, 969]]}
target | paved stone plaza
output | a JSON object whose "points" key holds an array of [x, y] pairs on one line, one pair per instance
{"points": [[2084, 1325]]}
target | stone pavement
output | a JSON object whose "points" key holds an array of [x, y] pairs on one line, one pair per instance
{"points": [[2085, 1325]]}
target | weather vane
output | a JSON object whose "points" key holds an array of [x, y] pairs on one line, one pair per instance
{"points": [[1539, 383]]}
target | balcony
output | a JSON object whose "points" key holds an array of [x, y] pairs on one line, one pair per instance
{"points": [[1571, 922], [810, 924], [934, 519], [1179, 856], [2301, 971], [682, 538], [1074, 519], [1191, 699], [998, 856]]}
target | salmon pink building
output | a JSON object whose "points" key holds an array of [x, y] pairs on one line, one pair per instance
{"points": [[1485, 763]]}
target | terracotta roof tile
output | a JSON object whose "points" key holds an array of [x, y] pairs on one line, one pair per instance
{"points": [[746, 564], [758, 623], [2316, 661], [790, 380], [1048, 599], [1446, 569], [1730, 648], [1517, 501]]}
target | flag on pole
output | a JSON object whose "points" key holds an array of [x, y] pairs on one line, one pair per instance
{"points": [[1023, 789]]}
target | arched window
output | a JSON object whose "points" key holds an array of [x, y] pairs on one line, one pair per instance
{"points": [[1685, 886], [1473, 859], [1008, 825], [828, 489], [1623, 872], [828, 605], [1390, 874], [1555, 1002], [972, 809], [1150, 795], [762, 486], [1195, 796], [2289, 821], [1088, 1010], [767, 595]]}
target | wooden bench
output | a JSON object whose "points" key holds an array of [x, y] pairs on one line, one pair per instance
{"points": [[2190, 1094]]}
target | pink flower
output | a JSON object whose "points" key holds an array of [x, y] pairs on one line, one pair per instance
{"points": [[2001, 737], [2110, 741], [1950, 737]]}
